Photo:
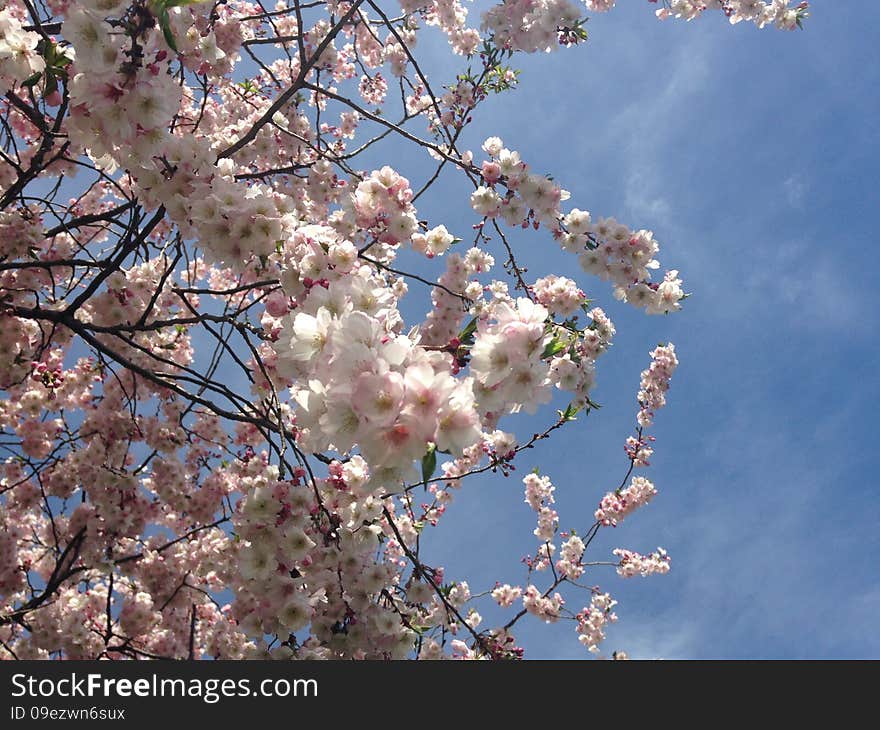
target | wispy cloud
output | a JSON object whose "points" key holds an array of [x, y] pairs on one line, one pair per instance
{"points": [[795, 187]]}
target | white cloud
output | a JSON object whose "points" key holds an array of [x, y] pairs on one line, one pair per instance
{"points": [[796, 188], [809, 290]]}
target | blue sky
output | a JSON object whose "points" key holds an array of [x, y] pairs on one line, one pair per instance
{"points": [[752, 155]]}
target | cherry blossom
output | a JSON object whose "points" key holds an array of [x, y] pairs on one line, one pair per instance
{"points": [[223, 437]]}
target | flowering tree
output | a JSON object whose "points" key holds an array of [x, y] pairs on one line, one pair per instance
{"points": [[221, 438]]}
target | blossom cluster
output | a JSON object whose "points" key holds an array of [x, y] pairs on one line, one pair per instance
{"points": [[778, 13], [605, 248], [655, 383], [632, 563], [530, 26], [592, 620], [19, 59], [539, 496], [618, 504]]}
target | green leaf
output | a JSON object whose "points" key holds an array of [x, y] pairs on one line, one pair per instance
{"points": [[429, 463], [32, 80], [54, 56], [571, 410], [165, 25], [554, 347], [468, 330]]}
